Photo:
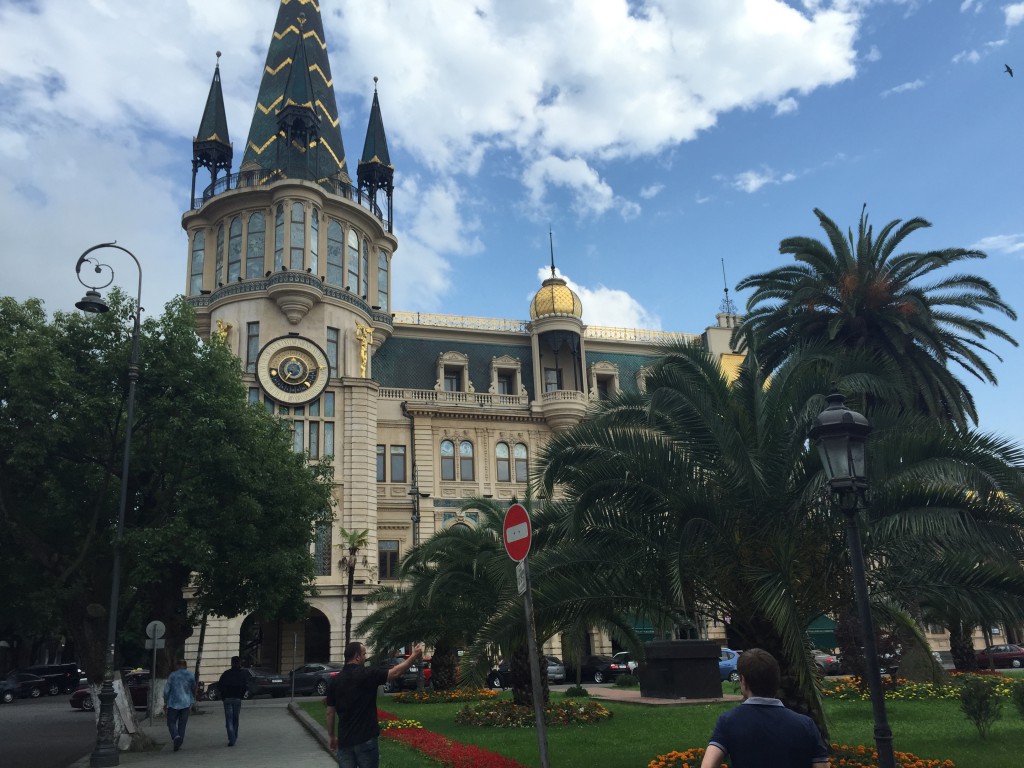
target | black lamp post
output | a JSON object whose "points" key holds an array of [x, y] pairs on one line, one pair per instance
{"points": [[106, 752], [841, 436]]}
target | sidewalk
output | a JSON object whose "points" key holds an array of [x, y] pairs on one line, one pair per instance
{"points": [[269, 736], [632, 695]]}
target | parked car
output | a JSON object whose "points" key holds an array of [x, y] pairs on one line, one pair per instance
{"points": [[1002, 656], [314, 677], [260, 681], [623, 657], [410, 679], [556, 669], [600, 669], [137, 684], [62, 678], [827, 663], [727, 665], [499, 676], [20, 685]]}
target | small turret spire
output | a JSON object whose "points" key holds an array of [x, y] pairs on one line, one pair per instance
{"points": [[551, 242], [727, 306], [375, 173], [211, 147]]}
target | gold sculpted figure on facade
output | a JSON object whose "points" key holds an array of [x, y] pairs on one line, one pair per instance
{"points": [[364, 334], [221, 334]]}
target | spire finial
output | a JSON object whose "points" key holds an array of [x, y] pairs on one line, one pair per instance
{"points": [[374, 83], [551, 240], [301, 19], [727, 306]]}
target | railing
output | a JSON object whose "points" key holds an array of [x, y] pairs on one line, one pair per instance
{"points": [[563, 396], [458, 399], [461, 321], [638, 335]]}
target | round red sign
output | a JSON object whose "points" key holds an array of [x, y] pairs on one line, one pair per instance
{"points": [[517, 532]]}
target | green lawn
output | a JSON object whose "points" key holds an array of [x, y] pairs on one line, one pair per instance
{"points": [[636, 733]]}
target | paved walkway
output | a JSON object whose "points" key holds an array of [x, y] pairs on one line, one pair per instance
{"points": [[632, 695], [269, 736]]}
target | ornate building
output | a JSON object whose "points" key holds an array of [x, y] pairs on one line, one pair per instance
{"points": [[291, 262]]}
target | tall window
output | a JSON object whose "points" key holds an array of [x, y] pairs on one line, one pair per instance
{"points": [[332, 350], [382, 280], [387, 559], [235, 249], [519, 452], [465, 460], [397, 463], [501, 455], [298, 236], [335, 246], [252, 346], [314, 240], [452, 379], [298, 435], [364, 270], [506, 382], [328, 438], [447, 460], [255, 246], [218, 278], [352, 262], [279, 238], [195, 283], [381, 459], [552, 379], [322, 549]]}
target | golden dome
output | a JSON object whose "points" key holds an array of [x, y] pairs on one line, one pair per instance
{"points": [[555, 298]]}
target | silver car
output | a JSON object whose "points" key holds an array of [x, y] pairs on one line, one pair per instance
{"points": [[556, 670]]}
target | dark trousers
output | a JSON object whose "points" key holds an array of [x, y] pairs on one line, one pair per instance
{"points": [[177, 719], [365, 755], [231, 709]]}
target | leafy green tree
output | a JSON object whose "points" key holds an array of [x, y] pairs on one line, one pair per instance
{"points": [[858, 293], [213, 479]]}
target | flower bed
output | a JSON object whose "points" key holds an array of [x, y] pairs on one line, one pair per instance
{"points": [[842, 755], [447, 753], [850, 688], [445, 697], [506, 714]]}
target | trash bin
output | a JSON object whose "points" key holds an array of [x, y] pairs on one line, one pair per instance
{"points": [[681, 669]]}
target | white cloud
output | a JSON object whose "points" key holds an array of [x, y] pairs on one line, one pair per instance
{"points": [[912, 85], [967, 4], [786, 105], [969, 56], [607, 306], [652, 191], [1014, 14], [1003, 243], [751, 181], [592, 196], [873, 54]]}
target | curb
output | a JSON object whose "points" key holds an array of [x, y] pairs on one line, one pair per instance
{"points": [[316, 730]]}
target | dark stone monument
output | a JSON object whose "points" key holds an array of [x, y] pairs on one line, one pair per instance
{"points": [[681, 669]]}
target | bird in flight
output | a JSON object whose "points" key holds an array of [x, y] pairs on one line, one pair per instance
{"points": [[1009, 71]]}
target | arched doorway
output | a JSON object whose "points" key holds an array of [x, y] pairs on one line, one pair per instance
{"points": [[279, 646]]}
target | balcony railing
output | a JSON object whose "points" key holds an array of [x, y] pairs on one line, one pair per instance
{"points": [[457, 399]]}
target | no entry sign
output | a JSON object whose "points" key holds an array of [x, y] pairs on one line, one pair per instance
{"points": [[517, 532]]}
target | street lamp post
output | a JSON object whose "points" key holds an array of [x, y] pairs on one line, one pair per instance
{"points": [[106, 752], [841, 435]]}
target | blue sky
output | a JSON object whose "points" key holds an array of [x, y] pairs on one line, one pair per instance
{"points": [[655, 138]]}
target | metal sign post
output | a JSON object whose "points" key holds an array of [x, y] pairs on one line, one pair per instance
{"points": [[154, 631]]}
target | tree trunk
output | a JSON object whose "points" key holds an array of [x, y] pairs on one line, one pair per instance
{"points": [[961, 646], [348, 597], [444, 667]]}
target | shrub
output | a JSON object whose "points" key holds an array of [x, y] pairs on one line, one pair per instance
{"points": [[576, 691], [627, 681], [450, 696], [980, 703], [1017, 695], [507, 714], [850, 757]]}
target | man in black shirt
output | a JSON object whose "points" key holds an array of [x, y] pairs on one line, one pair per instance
{"points": [[232, 685], [352, 694]]}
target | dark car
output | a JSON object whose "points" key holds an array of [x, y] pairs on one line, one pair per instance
{"points": [[410, 679], [600, 669], [827, 663], [313, 678], [499, 676], [1002, 656], [259, 681], [62, 678], [137, 683], [19, 685]]}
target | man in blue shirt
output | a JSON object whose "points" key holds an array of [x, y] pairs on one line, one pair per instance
{"points": [[761, 732], [179, 696]]}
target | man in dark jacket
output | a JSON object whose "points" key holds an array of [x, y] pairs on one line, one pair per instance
{"points": [[352, 695], [233, 684]]}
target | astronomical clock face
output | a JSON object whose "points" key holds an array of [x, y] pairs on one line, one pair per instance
{"points": [[292, 370]]}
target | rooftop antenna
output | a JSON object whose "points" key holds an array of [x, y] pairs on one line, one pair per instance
{"points": [[551, 241], [727, 306]]}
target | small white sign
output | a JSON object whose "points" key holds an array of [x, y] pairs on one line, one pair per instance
{"points": [[151, 644], [155, 629], [521, 576], [517, 532]]}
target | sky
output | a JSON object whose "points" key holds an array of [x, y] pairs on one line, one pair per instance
{"points": [[668, 145]]}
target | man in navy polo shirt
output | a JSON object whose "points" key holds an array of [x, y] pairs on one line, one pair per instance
{"points": [[761, 732]]}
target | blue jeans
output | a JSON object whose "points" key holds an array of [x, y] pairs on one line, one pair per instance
{"points": [[231, 709], [177, 719], [365, 755]]}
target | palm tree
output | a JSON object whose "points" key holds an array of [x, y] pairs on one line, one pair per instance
{"points": [[353, 541], [858, 293]]}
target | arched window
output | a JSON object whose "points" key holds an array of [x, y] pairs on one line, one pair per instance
{"points": [[298, 236], [195, 283], [521, 462], [255, 246], [447, 460], [314, 240], [235, 249], [364, 271], [218, 263], [352, 279], [382, 280], [335, 244], [465, 460], [501, 454], [279, 238]]}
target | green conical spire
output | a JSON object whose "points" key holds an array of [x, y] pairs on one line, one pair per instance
{"points": [[375, 172], [375, 149], [281, 86], [214, 125]]}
